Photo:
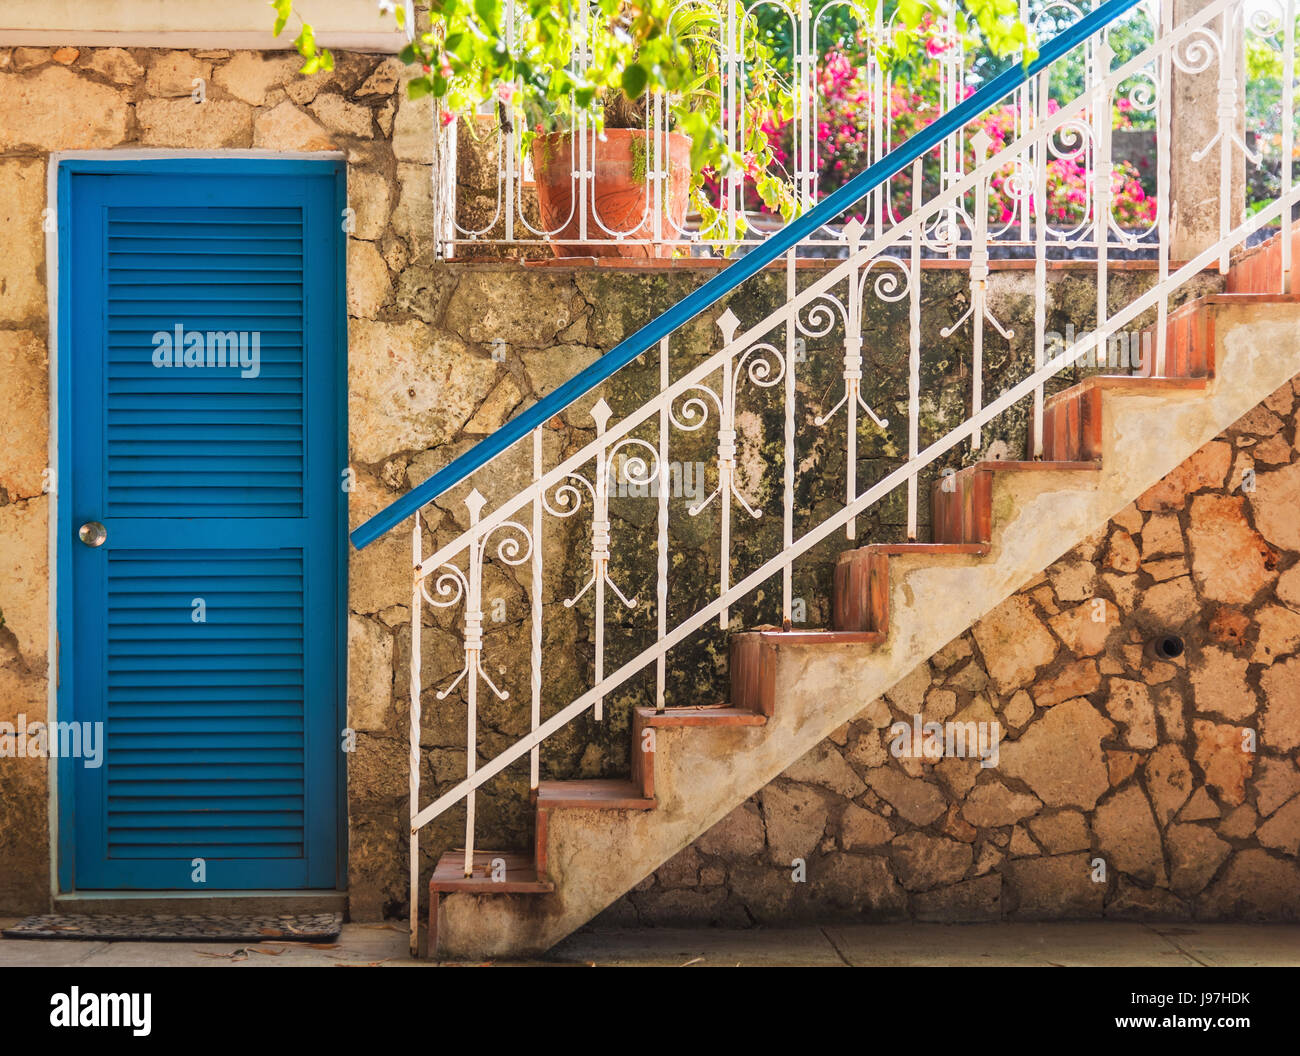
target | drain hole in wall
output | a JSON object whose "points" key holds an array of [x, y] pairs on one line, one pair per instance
{"points": [[1167, 647]]}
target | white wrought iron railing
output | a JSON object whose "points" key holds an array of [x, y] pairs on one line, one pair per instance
{"points": [[755, 370], [808, 49]]}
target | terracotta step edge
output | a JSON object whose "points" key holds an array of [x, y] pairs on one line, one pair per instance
{"points": [[484, 884], [731, 716], [908, 549], [559, 801], [1121, 381]]}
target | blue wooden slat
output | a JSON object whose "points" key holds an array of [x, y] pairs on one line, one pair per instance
{"points": [[253, 680], [257, 462], [174, 778], [237, 448], [127, 328], [207, 411], [151, 753], [208, 434], [231, 505], [200, 821], [212, 242], [207, 294], [126, 265], [205, 710], [212, 853], [139, 562], [216, 724], [125, 227], [131, 836], [214, 790], [254, 674], [212, 215], [142, 382], [276, 348], [208, 478], [135, 581], [258, 801]]}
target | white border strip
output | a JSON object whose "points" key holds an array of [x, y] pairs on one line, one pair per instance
{"points": [[235, 40]]}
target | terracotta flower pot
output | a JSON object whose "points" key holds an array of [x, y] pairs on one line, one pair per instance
{"points": [[619, 196]]}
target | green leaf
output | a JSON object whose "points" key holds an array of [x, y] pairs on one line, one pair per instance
{"points": [[283, 8], [634, 80], [910, 12], [305, 42], [488, 11]]}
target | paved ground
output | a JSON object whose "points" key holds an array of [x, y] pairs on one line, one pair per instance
{"points": [[895, 945]]}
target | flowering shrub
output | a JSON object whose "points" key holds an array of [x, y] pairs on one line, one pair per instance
{"points": [[1067, 195], [843, 135]]}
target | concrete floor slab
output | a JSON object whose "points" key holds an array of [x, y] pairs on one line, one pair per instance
{"points": [[1236, 945], [1097, 944], [1100, 944], [360, 944], [702, 947]]}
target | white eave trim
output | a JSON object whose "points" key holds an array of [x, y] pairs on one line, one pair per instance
{"points": [[345, 25], [233, 40]]}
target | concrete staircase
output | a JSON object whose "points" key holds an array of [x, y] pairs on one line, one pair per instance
{"points": [[996, 525]]}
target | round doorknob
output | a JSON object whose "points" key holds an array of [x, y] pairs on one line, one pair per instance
{"points": [[92, 533]]}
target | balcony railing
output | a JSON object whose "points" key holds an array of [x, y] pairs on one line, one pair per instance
{"points": [[837, 48]]}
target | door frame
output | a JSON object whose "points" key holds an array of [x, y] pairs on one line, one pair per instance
{"points": [[61, 166]]}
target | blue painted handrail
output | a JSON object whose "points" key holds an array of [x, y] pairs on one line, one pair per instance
{"points": [[732, 276]]}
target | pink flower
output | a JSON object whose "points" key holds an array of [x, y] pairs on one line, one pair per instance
{"points": [[446, 118]]}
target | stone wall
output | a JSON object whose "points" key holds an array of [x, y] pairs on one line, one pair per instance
{"points": [[1127, 785], [439, 356], [107, 98]]}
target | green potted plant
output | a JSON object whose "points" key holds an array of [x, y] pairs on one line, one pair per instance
{"points": [[633, 50]]}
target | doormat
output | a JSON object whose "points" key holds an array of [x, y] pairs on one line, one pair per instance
{"points": [[124, 927]]}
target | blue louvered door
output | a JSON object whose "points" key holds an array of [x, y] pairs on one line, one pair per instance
{"points": [[204, 633]]}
